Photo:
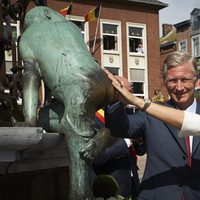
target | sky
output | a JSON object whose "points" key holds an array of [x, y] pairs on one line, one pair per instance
{"points": [[177, 11]]}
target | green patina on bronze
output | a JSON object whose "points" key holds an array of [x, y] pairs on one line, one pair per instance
{"points": [[53, 49]]}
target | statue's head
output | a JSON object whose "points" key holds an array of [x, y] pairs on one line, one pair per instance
{"points": [[41, 14]]}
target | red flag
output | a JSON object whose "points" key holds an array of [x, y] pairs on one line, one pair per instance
{"points": [[67, 10], [93, 14]]}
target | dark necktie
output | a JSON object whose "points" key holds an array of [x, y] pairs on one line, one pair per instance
{"points": [[189, 161], [132, 153], [187, 143]]}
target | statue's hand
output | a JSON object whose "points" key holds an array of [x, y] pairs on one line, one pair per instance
{"points": [[98, 144], [88, 151], [15, 123]]}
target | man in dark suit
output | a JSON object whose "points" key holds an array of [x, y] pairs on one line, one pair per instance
{"points": [[173, 166], [120, 161]]}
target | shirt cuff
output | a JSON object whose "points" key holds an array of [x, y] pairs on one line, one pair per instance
{"points": [[190, 124]]}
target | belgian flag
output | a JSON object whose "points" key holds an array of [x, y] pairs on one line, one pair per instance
{"points": [[93, 14], [67, 10], [100, 119]]}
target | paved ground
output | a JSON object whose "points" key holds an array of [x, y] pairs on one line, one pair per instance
{"points": [[141, 165]]}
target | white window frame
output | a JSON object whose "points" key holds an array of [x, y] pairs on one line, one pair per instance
{"points": [[111, 52], [143, 55], [143, 84], [118, 35], [181, 42], [194, 54], [136, 37]]}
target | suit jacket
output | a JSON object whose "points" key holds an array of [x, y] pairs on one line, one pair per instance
{"points": [[117, 162], [166, 175]]}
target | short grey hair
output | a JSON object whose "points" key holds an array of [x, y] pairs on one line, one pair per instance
{"points": [[176, 58]]}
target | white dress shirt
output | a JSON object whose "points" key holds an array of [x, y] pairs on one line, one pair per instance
{"points": [[188, 122]]}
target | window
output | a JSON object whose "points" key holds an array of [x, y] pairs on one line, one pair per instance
{"points": [[110, 37], [182, 46], [111, 54], [137, 63], [135, 35], [137, 77], [196, 47]]}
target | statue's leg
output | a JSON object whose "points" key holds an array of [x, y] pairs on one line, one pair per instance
{"points": [[77, 124], [81, 100], [30, 87], [79, 170], [53, 119]]}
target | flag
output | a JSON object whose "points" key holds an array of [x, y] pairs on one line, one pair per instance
{"points": [[93, 14], [67, 10], [100, 115]]}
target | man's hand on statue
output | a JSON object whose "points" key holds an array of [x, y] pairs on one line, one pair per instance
{"points": [[121, 93]]}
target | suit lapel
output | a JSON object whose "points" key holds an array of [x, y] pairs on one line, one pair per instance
{"points": [[174, 132], [196, 139], [180, 140]]}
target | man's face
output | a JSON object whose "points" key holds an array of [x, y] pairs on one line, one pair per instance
{"points": [[180, 83]]}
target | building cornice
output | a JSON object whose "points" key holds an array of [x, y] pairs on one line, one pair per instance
{"points": [[153, 4]]}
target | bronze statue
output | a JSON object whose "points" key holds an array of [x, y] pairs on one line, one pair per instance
{"points": [[53, 49]]}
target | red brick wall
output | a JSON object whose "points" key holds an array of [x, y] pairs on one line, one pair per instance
{"points": [[184, 34], [153, 49]]}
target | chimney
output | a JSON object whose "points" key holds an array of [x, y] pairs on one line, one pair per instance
{"points": [[166, 28]]}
